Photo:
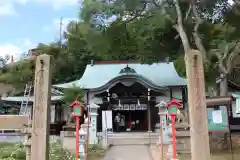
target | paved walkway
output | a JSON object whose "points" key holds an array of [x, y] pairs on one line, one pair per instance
{"points": [[128, 152]]}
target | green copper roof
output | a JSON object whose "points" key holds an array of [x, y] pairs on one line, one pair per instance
{"points": [[157, 74], [236, 95]]}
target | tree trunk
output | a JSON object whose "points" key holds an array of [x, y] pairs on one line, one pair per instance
{"points": [[224, 86]]}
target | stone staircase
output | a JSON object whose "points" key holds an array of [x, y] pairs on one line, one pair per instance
{"points": [[132, 138], [145, 138]]}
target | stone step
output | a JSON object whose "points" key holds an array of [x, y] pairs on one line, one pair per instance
{"points": [[182, 148], [152, 134], [146, 139], [134, 136], [135, 141]]}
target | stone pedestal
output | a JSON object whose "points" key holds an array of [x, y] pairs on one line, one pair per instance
{"points": [[169, 151], [170, 145], [157, 127], [82, 149]]}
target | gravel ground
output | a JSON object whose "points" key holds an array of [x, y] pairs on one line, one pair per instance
{"points": [[128, 152]]}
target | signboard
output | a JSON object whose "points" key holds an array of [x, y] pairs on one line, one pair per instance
{"points": [[126, 107], [131, 107], [238, 105], [218, 119]]}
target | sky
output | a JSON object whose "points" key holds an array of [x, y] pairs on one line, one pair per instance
{"points": [[25, 23]]}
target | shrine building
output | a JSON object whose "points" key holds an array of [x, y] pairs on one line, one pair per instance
{"points": [[130, 89]]}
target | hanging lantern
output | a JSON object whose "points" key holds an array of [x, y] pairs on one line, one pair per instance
{"points": [[77, 108]]}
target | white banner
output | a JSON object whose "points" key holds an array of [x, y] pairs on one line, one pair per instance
{"points": [[217, 116], [107, 120], [53, 113], [238, 105]]}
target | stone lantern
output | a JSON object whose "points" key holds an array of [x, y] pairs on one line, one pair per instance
{"points": [[163, 138], [82, 145], [93, 131]]}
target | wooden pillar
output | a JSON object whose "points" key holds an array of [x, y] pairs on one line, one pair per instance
{"points": [[200, 149], [27, 138], [149, 117], [88, 124], [27, 146], [171, 93], [149, 112], [185, 106], [41, 109]]}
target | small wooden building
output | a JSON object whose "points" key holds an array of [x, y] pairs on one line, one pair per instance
{"points": [[58, 118]]}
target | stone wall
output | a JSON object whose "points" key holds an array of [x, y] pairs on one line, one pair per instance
{"points": [[218, 142], [235, 140], [183, 145], [221, 141]]}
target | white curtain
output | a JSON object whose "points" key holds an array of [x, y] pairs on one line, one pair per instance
{"points": [[237, 105], [52, 113]]}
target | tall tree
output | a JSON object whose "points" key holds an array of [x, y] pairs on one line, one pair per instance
{"points": [[187, 18], [148, 30]]}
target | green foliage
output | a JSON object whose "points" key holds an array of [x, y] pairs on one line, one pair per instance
{"points": [[95, 148], [18, 74], [66, 65], [135, 30], [179, 64], [11, 151], [73, 93]]}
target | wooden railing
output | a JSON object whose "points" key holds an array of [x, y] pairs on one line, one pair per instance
{"points": [[12, 122]]}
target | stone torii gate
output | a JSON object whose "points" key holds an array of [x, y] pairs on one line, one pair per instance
{"points": [[37, 129]]}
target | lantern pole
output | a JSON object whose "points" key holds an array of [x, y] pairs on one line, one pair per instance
{"points": [[77, 136], [173, 117], [88, 123]]}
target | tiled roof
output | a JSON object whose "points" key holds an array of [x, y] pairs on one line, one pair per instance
{"points": [[97, 75]]}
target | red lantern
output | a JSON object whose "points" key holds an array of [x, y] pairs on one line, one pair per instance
{"points": [[77, 108]]}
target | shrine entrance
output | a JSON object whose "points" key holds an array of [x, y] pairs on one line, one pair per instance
{"points": [[134, 120], [137, 112]]}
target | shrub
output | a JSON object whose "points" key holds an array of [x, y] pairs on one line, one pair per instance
{"points": [[95, 148], [10, 151]]}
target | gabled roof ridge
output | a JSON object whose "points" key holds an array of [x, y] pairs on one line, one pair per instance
{"points": [[124, 62]]}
